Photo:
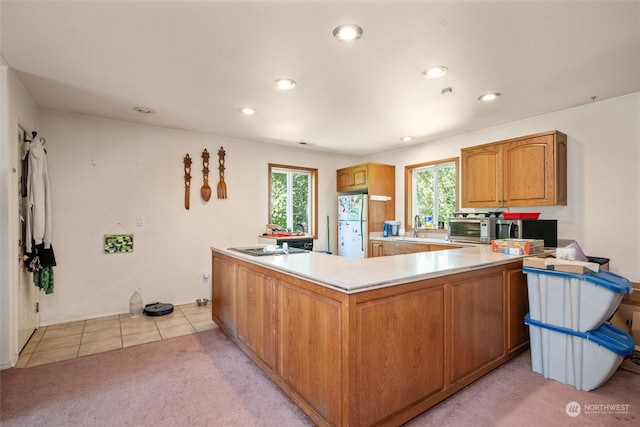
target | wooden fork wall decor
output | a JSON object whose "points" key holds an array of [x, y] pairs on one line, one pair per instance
{"points": [[187, 180], [222, 186]]}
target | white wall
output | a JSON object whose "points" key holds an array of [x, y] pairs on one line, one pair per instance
{"points": [[104, 174], [603, 174], [16, 108]]}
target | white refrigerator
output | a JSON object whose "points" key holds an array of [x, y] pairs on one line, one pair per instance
{"points": [[353, 233]]}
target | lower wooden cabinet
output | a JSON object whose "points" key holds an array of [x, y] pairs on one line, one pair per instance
{"points": [[392, 247], [381, 356]]}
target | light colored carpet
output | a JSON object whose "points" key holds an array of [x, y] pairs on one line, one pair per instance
{"points": [[205, 380]]}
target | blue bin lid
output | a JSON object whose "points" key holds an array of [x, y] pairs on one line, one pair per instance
{"points": [[608, 336], [604, 278]]}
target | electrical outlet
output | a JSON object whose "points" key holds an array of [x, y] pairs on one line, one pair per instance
{"points": [[139, 221]]}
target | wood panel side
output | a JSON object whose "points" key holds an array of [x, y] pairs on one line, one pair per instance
{"points": [[477, 323], [223, 294], [310, 348], [400, 352], [255, 314]]}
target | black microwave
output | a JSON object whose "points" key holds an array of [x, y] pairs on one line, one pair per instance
{"points": [[544, 229]]}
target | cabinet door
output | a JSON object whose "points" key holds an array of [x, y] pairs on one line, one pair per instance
{"points": [[256, 315], [344, 179], [223, 290], [482, 177], [359, 176], [477, 330], [529, 170], [375, 249], [518, 307]]}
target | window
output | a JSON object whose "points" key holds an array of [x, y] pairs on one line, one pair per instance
{"points": [[293, 200], [431, 189]]}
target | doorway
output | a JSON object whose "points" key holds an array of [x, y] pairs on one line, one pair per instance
{"points": [[27, 291]]}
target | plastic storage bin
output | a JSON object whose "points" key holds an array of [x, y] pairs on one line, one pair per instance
{"points": [[581, 302], [583, 360]]}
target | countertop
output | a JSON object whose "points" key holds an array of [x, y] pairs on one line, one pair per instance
{"points": [[357, 275]]}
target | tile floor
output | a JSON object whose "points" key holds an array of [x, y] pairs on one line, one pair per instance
{"points": [[55, 343]]}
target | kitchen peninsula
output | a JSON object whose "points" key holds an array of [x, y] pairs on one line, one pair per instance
{"points": [[372, 341]]}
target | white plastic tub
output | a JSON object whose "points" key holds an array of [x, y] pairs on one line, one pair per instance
{"points": [[581, 302], [583, 360]]}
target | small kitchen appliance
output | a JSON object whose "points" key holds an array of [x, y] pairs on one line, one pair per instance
{"points": [[544, 229], [472, 229]]}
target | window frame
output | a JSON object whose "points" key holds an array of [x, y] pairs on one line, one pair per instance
{"points": [[314, 194], [408, 188]]}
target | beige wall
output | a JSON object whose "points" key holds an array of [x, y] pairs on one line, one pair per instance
{"points": [[105, 173]]}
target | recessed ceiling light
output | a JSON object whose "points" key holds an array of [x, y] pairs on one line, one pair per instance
{"points": [[247, 111], [144, 110], [433, 72], [284, 84], [489, 96], [347, 33], [406, 138]]}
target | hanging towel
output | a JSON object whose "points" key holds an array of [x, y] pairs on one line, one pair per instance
{"points": [[44, 279], [39, 198]]}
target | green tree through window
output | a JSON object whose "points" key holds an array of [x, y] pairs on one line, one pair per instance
{"points": [[293, 198], [431, 190]]}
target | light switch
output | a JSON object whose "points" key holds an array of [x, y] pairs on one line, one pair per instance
{"points": [[139, 221]]}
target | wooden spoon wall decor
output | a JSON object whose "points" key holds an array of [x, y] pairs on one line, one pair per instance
{"points": [[187, 180], [205, 191], [222, 186]]}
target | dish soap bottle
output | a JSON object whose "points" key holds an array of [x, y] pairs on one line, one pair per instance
{"points": [[135, 304]]}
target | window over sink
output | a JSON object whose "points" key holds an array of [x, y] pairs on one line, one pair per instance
{"points": [[293, 199], [431, 190]]}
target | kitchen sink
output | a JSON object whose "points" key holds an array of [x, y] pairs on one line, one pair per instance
{"points": [[260, 251]]}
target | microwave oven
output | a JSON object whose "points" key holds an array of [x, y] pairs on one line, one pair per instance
{"points": [[472, 230], [544, 229]]}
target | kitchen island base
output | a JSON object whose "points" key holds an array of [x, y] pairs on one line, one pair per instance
{"points": [[375, 357]]}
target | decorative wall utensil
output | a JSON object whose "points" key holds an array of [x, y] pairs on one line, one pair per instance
{"points": [[222, 186], [187, 180], [205, 191]]}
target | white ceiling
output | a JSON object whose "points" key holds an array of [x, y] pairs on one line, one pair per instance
{"points": [[197, 62]]}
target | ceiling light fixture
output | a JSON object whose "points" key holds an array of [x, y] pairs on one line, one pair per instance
{"points": [[406, 138], [489, 96], [284, 84], [447, 90], [144, 110], [247, 111], [434, 72], [347, 33]]}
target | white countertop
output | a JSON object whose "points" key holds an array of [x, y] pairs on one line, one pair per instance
{"points": [[357, 275]]}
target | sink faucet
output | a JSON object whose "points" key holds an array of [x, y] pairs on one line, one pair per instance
{"points": [[416, 224]]}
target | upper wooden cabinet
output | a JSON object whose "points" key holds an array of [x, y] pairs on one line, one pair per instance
{"points": [[374, 178], [526, 171]]}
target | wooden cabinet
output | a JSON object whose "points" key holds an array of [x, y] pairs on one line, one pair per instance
{"points": [[376, 357], [391, 247], [518, 307], [353, 178], [375, 249], [255, 314], [526, 171], [377, 180], [374, 178], [400, 248], [223, 295]]}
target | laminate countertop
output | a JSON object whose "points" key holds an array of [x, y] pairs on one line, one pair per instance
{"points": [[357, 275]]}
